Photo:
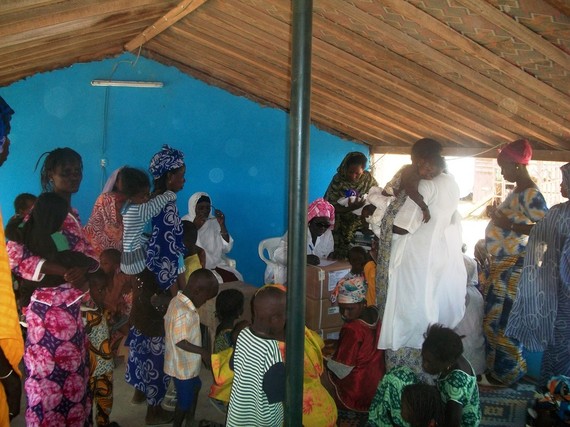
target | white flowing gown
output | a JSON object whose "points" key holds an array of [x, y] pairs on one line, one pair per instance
{"points": [[427, 277]]}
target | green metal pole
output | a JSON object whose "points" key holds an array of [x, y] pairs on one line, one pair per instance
{"points": [[299, 130]]}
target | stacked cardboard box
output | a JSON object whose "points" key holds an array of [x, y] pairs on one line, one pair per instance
{"points": [[321, 315]]}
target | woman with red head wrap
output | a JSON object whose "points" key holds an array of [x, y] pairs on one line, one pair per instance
{"points": [[506, 238], [320, 241]]}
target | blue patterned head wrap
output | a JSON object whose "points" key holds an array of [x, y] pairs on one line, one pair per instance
{"points": [[349, 291], [165, 160]]}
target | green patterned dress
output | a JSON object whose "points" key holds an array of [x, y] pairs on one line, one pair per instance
{"points": [[460, 387], [385, 409]]}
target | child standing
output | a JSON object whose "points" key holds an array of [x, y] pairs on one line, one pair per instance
{"points": [[184, 351], [100, 356], [442, 354], [229, 307], [258, 388], [118, 298]]}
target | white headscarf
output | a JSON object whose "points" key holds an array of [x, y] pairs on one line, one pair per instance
{"points": [[192, 202]]}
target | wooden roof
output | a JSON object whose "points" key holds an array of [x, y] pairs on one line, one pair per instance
{"points": [[471, 73]]}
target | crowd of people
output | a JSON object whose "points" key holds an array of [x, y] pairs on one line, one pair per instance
{"points": [[424, 324]]}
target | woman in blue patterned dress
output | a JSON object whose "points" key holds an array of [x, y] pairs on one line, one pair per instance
{"points": [[155, 287], [540, 318], [506, 237]]}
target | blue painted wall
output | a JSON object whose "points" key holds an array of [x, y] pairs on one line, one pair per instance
{"points": [[235, 149]]}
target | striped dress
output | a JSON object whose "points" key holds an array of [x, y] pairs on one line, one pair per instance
{"points": [[258, 388], [541, 311], [135, 218]]}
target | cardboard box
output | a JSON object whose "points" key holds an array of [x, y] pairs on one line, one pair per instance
{"points": [[321, 314], [329, 333], [321, 279]]}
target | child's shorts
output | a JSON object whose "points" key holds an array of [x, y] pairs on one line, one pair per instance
{"points": [[187, 392]]}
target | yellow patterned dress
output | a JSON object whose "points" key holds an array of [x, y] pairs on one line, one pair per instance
{"points": [[505, 358], [319, 408], [11, 340]]}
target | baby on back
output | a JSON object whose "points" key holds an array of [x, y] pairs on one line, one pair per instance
{"points": [[409, 176]]}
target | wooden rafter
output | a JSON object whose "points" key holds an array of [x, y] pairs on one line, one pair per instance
{"points": [[549, 155], [535, 87], [511, 26], [184, 8], [562, 5]]}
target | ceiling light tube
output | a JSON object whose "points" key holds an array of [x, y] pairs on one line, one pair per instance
{"points": [[125, 83]]}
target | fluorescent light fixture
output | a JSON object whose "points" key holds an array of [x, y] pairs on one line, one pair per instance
{"points": [[125, 83]]}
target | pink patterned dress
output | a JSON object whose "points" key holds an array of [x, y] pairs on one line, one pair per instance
{"points": [[56, 348]]}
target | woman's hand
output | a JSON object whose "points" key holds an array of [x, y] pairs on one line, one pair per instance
{"points": [[77, 276], [313, 259], [356, 204], [220, 217], [499, 219], [199, 221]]}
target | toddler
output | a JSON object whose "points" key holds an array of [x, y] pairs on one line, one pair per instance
{"points": [[118, 298], [195, 256], [101, 363], [137, 213], [183, 342], [408, 178], [229, 307], [258, 388], [422, 406], [358, 259]]}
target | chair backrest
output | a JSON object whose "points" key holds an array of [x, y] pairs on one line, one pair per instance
{"points": [[268, 246]]}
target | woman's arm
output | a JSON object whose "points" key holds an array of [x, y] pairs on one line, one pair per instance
{"points": [[453, 414]]}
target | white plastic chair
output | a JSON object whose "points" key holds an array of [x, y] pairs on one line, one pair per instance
{"points": [[266, 249], [268, 246]]}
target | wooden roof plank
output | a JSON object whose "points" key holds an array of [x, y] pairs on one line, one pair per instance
{"points": [[349, 84], [378, 79], [471, 80], [183, 8], [531, 86], [513, 27]]}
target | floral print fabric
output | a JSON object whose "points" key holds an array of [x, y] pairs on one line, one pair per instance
{"points": [[56, 361], [165, 247], [145, 368], [526, 207]]}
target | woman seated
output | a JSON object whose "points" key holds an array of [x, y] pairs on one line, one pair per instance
{"points": [[320, 242], [356, 366], [213, 236]]}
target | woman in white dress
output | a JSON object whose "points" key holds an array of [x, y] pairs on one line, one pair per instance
{"points": [[426, 274], [213, 236]]}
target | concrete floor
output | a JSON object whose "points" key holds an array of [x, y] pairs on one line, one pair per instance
{"points": [[129, 415]]}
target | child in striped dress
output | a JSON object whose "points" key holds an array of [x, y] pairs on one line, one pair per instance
{"points": [[137, 213], [258, 388]]}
